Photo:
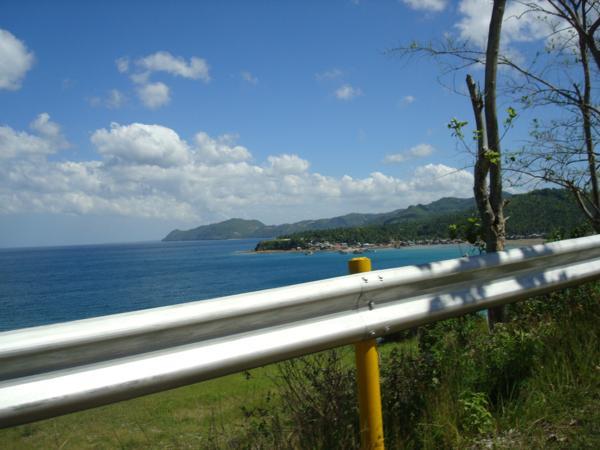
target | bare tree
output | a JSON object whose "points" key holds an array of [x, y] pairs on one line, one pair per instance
{"points": [[560, 79], [562, 150], [580, 16]]}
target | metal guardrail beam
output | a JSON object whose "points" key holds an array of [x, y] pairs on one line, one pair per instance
{"points": [[55, 369]]}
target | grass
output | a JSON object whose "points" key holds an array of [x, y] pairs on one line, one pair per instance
{"points": [[189, 417], [558, 405]]}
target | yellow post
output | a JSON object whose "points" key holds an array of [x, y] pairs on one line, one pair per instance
{"points": [[367, 368]]}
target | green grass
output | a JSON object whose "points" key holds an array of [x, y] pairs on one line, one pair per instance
{"points": [[190, 417], [559, 405]]}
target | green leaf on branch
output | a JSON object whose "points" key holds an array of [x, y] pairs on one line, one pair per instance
{"points": [[512, 114], [492, 156], [457, 128]]}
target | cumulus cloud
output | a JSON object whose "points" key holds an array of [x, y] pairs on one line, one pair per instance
{"points": [[15, 61], [157, 94], [142, 144], [149, 171], [48, 130], [287, 164], [45, 139], [154, 95], [220, 150], [426, 5], [516, 27], [195, 69], [418, 151], [347, 92]]}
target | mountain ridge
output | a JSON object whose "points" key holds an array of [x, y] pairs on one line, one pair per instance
{"points": [[555, 201], [236, 228]]}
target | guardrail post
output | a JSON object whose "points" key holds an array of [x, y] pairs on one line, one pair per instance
{"points": [[367, 368]]}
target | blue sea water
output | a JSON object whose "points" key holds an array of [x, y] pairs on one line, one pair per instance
{"points": [[56, 284]]}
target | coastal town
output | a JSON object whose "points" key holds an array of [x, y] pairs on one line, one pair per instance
{"points": [[310, 247]]}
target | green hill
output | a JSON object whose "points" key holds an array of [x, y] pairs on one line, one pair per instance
{"points": [[241, 228], [536, 212], [229, 229]]}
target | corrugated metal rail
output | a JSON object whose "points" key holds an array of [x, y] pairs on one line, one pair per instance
{"points": [[55, 369]]}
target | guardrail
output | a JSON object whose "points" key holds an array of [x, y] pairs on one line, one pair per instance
{"points": [[55, 369]]}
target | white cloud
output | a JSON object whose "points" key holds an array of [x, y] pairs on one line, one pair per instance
{"points": [[287, 164], [219, 150], [248, 77], [426, 5], [149, 171], [157, 94], [330, 74], [44, 126], [518, 26], [408, 99], [140, 78], [114, 100], [154, 95], [421, 150], [418, 151], [122, 64], [141, 144], [195, 69], [47, 139], [14, 144], [440, 180], [15, 61], [347, 92]]}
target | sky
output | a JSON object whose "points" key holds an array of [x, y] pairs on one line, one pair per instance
{"points": [[120, 121]]}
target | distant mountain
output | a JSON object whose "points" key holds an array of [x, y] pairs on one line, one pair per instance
{"points": [[534, 212], [229, 229], [241, 228]]}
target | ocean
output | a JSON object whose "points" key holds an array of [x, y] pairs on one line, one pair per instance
{"points": [[55, 284]]}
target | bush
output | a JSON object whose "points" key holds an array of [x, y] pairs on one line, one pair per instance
{"points": [[455, 388], [319, 395], [405, 380], [475, 414]]}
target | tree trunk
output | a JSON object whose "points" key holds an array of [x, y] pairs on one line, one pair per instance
{"points": [[496, 239], [490, 203], [482, 164]]}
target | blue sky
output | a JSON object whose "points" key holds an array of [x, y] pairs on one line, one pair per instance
{"points": [[120, 121]]}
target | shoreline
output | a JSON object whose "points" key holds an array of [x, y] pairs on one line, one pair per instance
{"points": [[514, 243]]}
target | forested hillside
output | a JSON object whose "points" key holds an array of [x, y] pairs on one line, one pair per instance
{"points": [[538, 212]]}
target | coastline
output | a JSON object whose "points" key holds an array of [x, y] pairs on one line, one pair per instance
{"points": [[514, 243]]}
